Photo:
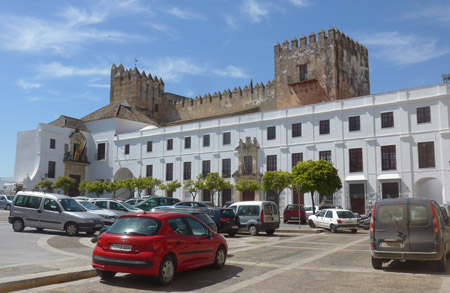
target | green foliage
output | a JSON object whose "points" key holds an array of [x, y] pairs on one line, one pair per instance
{"points": [[247, 185], [170, 186], [129, 183], [97, 187], [152, 185], [216, 184], [44, 185], [276, 181], [64, 183], [112, 187], [83, 185], [195, 187]]}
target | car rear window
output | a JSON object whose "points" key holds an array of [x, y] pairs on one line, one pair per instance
{"points": [[203, 217], [137, 226], [228, 213], [392, 215], [345, 215], [419, 215]]}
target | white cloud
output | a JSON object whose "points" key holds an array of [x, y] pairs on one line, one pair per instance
{"points": [[164, 29], [438, 14], [27, 86], [185, 14], [98, 85], [232, 22], [399, 49], [299, 3], [254, 10], [56, 69], [35, 99]]}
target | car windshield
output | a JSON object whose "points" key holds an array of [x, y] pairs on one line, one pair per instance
{"points": [[71, 205], [128, 206], [345, 215], [137, 226], [10, 197], [228, 213], [89, 206]]}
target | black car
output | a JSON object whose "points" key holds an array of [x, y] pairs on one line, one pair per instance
{"points": [[199, 213], [364, 221], [226, 220]]}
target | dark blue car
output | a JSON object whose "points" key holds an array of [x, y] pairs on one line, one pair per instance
{"points": [[226, 220]]}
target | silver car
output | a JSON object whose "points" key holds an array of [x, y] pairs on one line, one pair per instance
{"points": [[108, 216], [118, 207], [6, 201]]}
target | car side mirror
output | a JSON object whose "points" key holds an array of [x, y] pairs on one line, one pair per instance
{"points": [[210, 234]]}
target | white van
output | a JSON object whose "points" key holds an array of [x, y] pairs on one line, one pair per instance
{"points": [[51, 211], [256, 216]]}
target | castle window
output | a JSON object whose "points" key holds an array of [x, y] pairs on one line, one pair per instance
{"points": [[156, 108], [226, 168], [387, 119], [52, 143], [170, 144], [356, 160], [51, 169], [169, 171], [423, 115], [149, 146], [248, 165], [296, 157], [187, 142], [187, 170], [226, 138], [206, 167], [325, 155], [101, 151], [353, 123], [296, 129], [303, 72], [271, 133], [206, 140], [272, 163], [324, 127], [149, 171], [127, 149]]}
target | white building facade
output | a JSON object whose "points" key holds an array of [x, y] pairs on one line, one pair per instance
{"points": [[385, 145]]}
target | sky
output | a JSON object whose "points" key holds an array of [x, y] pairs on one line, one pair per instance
{"points": [[57, 55]]}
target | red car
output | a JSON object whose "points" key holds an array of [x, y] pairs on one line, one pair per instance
{"points": [[157, 244], [291, 213]]}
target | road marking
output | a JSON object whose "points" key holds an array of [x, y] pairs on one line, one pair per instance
{"points": [[232, 251], [280, 270], [249, 263]]}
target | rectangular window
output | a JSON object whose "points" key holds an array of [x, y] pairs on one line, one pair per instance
{"points": [[388, 158], [170, 144], [149, 171], [187, 142], [423, 115], [248, 165], [206, 140], [226, 168], [303, 72], [149, 146], [271, 133], [206, 167], [296, 157], [353, 123], [296, 129], [101, 151], [325, 155], [51, 169], [426, 154], [156, 108], [387, 120], [226, 138], [356, 160], [169, 171], [127, 149], [52, 143], [272, 163], [324, 127], [187, 170]]}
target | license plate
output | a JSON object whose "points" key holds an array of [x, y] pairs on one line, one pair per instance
{"points": [[98, 225], [392, 244], [294, 218], [121, 247], [235, 227]]}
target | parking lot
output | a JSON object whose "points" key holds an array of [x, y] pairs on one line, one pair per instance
{"points": [[288, 262]]}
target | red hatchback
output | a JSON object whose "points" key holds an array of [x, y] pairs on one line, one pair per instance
{"points": [[291, 213], [157, 244]]}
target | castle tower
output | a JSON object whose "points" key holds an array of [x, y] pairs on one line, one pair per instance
{"points": [[311, 70], [139, 90]]}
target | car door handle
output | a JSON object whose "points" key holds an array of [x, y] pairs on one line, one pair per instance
{"points": [[178, 242]]}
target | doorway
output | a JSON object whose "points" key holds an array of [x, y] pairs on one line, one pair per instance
{"points": [[358, 198]]}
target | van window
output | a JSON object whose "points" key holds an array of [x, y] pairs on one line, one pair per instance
{"points": [[20, 201], [275, 209], [392, 215], [248, 211], [50, 205], [268, 209], [26, 201], [419, 215]]}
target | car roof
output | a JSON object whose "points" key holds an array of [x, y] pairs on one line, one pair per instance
{"points": [[43, 194], [156, 215], [248, 203], [402, 199]]}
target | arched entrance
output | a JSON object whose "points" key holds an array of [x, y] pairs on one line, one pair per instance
{"points": [[123, 173], [430, 188]]}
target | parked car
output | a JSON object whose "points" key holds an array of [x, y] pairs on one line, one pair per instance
{"points": [[157, 244], [409, 229], [51, 211], [134, 201], [226, 220], [157, 201], [118, 207], [191, 204], [227, 204], [196, 212], [335, 220], [108, 217], [256, 216], [308, 211], [290, 213], [6, 201], [364, 221]]}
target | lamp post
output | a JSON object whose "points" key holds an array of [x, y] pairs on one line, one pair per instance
{"points": [[299, 205]]}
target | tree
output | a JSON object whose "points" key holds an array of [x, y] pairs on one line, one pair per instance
{"points": [[44, 185], [112, 187], [170, 187], [247, 185], [64, 183], [195, 187], [130, 184], [97, 187], [153, 185], [83, 185], [319, 176], [216, 184], [141, 184], [276, 181]]}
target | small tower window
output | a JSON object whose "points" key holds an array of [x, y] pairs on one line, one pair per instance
{"points": [[156, 108], [303, 72]]}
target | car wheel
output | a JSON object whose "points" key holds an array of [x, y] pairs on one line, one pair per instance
{"points": [[8, 207], [270, 232], [166, 270], [285, 221], [442, 264], [40, 229], [253, 230], [18, 225], [232, 233], [354, 230], [105, 275], [376, 263], [311, 224], [72, 229], [333, 228], [221, 256]]}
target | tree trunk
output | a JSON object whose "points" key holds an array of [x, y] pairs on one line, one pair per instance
{"points": [[312, 201]]}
